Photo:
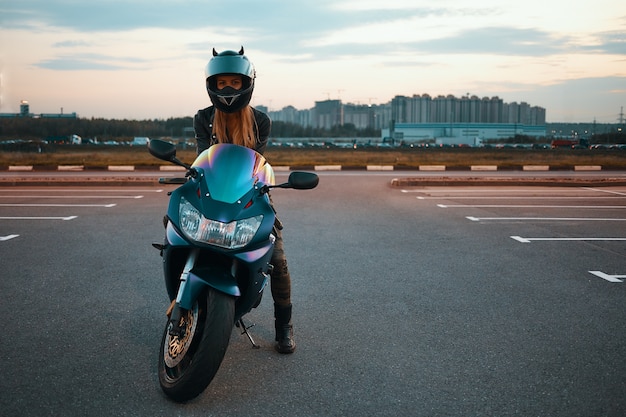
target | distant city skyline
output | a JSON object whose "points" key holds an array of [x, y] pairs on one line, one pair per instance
{"points": [[620, 116], [413, 109], [135, 59], [401, 109]]}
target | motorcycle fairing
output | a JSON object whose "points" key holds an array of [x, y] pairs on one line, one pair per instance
{"points": [[230, 171], [226, 187], [221, 277], [173, 237]]}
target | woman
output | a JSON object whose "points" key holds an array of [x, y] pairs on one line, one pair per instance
{"points": [[229, 79]]}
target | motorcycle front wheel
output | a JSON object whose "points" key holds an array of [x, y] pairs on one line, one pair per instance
{"points": [[187, 364]]}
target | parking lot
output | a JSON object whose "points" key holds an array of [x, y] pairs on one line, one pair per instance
{"points": [[465, 300], [547, 217]]}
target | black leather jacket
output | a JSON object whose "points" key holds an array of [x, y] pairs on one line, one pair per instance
{"points": [[203, 126]]}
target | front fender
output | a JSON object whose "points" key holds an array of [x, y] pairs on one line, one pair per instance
{"points": [[218, 277], [213, 276]]}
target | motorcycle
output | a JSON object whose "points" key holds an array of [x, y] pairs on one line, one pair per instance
{"points": [[219, 240]]}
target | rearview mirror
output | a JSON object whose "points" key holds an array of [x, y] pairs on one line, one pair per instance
{"points": [[299, 180], [162, 150]]}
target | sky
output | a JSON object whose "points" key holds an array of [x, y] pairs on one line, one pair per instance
{"points": [[144, 59]]}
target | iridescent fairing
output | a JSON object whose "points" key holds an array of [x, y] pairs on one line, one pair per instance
{"points": [[230, 171]]}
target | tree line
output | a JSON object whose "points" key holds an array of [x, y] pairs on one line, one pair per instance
{"points": [[29, 128], [36, 129]]}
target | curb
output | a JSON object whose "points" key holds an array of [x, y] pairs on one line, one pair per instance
{"points": [[132, 180], [78, 182], [81, 168], [494, 181], [427, 168]]}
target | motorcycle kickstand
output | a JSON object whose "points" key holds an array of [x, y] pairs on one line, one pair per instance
{"points": [[244, 330]]}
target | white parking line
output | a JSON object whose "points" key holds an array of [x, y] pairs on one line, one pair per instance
{"points": [[533, 190], [132, 197], [564, 239], [59, 205], [607, 191], [526, 198], [39, 218], [9, 237], [577, 219], [610, 278], [524, 206], [91, 190]]}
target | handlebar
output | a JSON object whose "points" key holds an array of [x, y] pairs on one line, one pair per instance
{"points": [[172, 180]]}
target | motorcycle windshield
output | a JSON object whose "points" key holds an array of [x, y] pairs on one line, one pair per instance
{"points": [[230, 171]]}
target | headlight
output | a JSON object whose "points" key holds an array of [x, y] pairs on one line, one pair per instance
{"points": [[233, 235]]}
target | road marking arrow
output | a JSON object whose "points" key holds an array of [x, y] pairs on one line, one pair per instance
{"points": [[569, 219], [524, 206], [59, 205], [610, 278], [39, 218], [565, 239]]}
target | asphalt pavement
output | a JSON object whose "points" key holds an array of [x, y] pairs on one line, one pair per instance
{"points": [[409, 301]]}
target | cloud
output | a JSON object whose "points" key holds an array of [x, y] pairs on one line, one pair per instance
{"points": [[321, 30], [495, 40], [114, 15], [82, 62], [70, 44], [565, 100], [99, 15], [613, 43], [484, 41]]}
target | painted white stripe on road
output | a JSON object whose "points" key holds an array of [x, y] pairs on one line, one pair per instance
{"points": [[9, 237], [132, 197], [610, 278], [118, 168], [479, 190], [58, 205], [65, 190], [524, 206], [566, 239], [606, 191], [39, 218], [526, 198], [582, 219]]}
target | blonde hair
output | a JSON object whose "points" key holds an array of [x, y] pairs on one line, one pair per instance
{"points": [[239, 128]]}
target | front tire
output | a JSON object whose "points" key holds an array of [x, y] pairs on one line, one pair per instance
{"points": [[187, 365]]}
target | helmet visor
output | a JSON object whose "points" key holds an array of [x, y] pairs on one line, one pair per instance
{"points": [[230, 64]]}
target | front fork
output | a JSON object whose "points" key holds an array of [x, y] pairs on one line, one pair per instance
{"points": [[175, 312], [179, 306]]}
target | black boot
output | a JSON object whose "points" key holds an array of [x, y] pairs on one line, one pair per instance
{"points": [[284, 329]]}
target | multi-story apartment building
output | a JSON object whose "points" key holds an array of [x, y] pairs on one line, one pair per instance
{"points": [[465, 120], [450, 109], [414, 110]]}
